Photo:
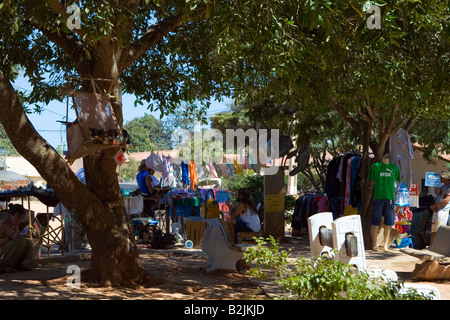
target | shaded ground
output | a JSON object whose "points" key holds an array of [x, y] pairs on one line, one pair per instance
{"points": [[182, 272]]}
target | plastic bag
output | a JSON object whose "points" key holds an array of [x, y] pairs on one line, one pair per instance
{"points": [[154, 162], [402, 197]]}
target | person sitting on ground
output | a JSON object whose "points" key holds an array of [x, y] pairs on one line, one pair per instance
{"points": [[147, 183], [244, 218], [15, 248]]}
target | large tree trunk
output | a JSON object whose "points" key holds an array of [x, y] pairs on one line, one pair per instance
{"points": [[98, 205], [367, 187]]}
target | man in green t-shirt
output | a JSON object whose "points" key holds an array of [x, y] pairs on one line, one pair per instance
{"points": [[384, 174]]}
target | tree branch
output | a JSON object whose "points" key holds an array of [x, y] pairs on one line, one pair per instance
{"points": [[411, 121], [346, 116], [364, 116], [74, 47], [372, 114], [61, 9], [156, 32], [390, 124], [30, 144]]}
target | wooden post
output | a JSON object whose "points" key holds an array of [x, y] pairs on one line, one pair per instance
{"points": [[274, 192]]}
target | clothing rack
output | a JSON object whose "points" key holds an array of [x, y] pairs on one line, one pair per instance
{"points": [[343, 182], [308, 204], [319, 193]]}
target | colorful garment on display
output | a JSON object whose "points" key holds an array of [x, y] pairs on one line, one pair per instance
{"points": [[213, 171], [193, 175], [166, 167], [306, 206], [384, 175], [237, 167], [201, 173], [154, 161], [185, 174], [177, 175], [400, 153], [225, 170], [249, 163], [403, 218], [206, 171], [343, 182], [230, 168], [402, 197]]}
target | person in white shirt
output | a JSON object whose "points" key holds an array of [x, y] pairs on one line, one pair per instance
{"points": [[244, 218], [441, 205]]}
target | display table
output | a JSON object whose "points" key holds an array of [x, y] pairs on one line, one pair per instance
{"points": [[188, 202], [51, 235], [8, 195], [186, 207], [134, 205]]}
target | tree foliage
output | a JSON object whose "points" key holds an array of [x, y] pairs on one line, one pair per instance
{"points": [[314, 54], [321, 278], [324, 57], [147, 133], [5, 144]]}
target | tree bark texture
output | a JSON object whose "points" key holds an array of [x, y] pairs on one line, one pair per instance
{"points": [[98, 205]]}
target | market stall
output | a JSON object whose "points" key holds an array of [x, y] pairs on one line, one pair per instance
{"points": [[51, 233]]}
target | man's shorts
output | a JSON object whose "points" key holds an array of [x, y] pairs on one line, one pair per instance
{"points": [[383, 208]]}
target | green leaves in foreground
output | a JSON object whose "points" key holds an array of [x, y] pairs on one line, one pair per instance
{"points": [[321, 279]]}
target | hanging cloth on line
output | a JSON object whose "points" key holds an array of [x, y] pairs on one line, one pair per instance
{"points": [[193, 175], [96, 127], [185, 174], [213, 171], [237, 166], [154, 161]]}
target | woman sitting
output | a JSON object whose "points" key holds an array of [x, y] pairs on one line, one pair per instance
{"points": [[15, 249], [244, 218]]}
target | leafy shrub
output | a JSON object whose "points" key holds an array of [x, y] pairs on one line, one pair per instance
{"points": [[321, 279]]}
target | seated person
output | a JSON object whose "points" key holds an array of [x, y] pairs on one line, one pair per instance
{"points": [[15, 248], [244, 218], [441, 205], [147, 183]]}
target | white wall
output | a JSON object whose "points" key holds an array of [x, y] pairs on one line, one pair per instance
{"points": [[419, 166]]}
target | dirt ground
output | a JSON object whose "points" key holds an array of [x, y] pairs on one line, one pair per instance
{"points": [[183, 278]]}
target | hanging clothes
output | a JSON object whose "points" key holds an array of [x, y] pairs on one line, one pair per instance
{"points": [[224, 169], [347, 182], [244, 163], [193, 175], [185, 174], [400, 153], [306, 206], [354, 169], [207, 172], [201, 173], [213, 171], [231, 169], [343, 182], [154, 161], [166, 167], [249, 163], [331, 181], [237, 167], [177, 175]]}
